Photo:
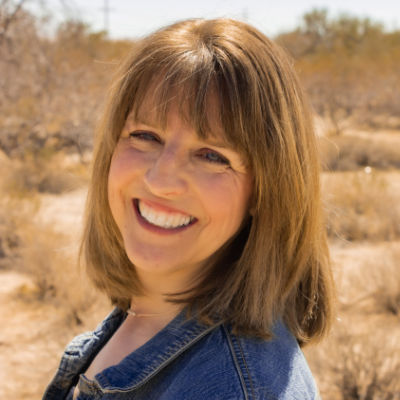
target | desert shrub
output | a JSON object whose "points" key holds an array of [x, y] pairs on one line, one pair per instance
{"points": [[56, 183], [10, 241], [385, 282], [365, 367], [348, 153], [361, 206], [357, 366], [13, 209], [50, 259], [361, 358], [46, 175], [52, 87], [374, 288], [349, 67]]}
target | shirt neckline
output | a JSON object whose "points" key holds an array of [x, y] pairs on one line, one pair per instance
{"points": [[149, 359]]}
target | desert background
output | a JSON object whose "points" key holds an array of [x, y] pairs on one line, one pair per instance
{"points": [[52, 89]]}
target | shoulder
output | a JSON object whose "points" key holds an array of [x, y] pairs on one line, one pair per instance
{"points": [[226, 365], [273, 369]]}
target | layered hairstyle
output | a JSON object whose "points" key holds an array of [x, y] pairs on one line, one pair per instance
{"points": [[277, 266]]}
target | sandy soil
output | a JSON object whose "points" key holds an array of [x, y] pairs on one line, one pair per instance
{"points": [[64, 212], [32, 337], [26, 341]]}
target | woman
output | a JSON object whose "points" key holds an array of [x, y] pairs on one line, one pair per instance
{"points": [[203, 226]]}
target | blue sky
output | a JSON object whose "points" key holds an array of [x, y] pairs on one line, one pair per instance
{"points": [[133, 18]]}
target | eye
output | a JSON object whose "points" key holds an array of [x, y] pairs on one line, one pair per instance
{"points": [[144, 136], [213, 157]]}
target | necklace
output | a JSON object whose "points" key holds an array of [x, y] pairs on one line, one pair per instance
{"points": [[135, 314]]}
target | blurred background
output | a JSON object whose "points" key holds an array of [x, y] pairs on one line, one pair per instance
{"points": [[56, 61]]}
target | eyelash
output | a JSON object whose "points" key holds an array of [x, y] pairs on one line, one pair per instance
{"points": [[220, 159], [142, 135], [150, 137]]}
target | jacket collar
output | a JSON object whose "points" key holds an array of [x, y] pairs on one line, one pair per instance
{"points": [[149, 359]]}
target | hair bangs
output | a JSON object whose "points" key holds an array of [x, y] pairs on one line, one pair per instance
{"points": [[192, 83]]}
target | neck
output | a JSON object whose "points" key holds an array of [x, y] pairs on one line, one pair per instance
{"points": [[154, 306], [156, 286]]}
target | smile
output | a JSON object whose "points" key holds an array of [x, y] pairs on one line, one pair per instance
{"points": [[162, 219]]}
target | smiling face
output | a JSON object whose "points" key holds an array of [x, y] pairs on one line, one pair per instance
{"points": [[175, 198]]}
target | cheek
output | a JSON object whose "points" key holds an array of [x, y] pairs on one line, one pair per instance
{"points": [[119, 176], [126, 164], [227, 196]]}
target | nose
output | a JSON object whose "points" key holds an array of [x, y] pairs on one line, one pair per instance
{"points": [[164, 177]]}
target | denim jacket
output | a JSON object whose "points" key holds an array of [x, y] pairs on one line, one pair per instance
{"points": [[187, 360]]}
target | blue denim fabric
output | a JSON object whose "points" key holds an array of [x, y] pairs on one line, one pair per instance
{"points": [[188, 361]]}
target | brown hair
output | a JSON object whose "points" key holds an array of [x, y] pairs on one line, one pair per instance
{"points": [[278, 264]]}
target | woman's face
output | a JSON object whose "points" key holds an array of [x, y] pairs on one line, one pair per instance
{"points": [[175, 198]]}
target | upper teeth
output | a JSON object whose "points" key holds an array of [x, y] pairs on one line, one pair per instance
{"points": [[162, 219]]}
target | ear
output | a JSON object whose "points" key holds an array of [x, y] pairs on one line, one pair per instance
{"points": [[252, 211], [252, 206]]}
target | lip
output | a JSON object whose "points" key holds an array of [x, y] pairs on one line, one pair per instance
{"points": [[159, 229], [163, 208]]}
